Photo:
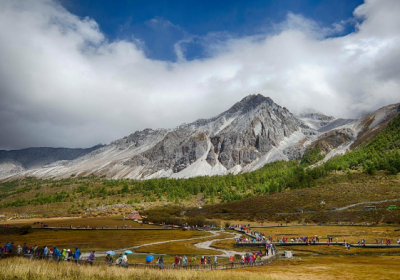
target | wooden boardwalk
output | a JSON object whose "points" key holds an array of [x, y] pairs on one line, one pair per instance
{"points": [[356, 245]]}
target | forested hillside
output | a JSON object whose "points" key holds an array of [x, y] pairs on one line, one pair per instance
{"points": [[75, 194], [382, 153]]}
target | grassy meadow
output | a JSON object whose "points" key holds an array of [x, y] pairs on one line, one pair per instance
{"points": [[88, 240], [184, 247], [98, 222], [351, 234], [334, 191], [305, 268]]}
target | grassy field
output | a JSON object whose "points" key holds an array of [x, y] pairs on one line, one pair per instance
{"points": [[96, 239], [332, 268], [307, 268], [352, 234], [184, 247], [337, 190], [98, 222], [301, 251]]}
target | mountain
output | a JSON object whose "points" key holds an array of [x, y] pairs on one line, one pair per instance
{"points": [[20, 160], [315, 119], [253, 132]]}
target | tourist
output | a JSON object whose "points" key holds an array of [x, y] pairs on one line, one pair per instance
{"points": [[91, 257], [12, 246], [7, 247], [45, 251], [125, 260], [108, 259], [77, 255], [119, 260], [161, 262], [64, 252], [35, 249], [56, 253]]}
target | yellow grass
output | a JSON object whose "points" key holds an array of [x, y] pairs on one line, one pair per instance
{"points": [[98, 222], [334, 267], [42, 270], [352, 234], [183, 247], [310, 268], [97, 239], [337, 250]]}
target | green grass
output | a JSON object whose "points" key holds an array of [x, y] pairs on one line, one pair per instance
{"points": [[336, 190]]}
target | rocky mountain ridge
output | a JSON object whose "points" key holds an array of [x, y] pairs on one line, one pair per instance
{"points": [[253, 132], [16, 161]]}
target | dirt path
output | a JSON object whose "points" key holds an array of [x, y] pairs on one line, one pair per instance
{"points": [[201, 245], [118, 251], [367, 202], [225, 253]]}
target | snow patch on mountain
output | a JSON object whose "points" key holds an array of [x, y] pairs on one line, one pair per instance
{"points": [[236, 169], [276, 153], [341, 150], [258, 128], [201, 167]]}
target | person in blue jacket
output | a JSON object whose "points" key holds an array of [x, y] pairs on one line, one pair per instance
{"points": [[56, 253], [77, 254]]}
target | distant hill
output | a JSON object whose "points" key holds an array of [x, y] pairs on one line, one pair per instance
{"points": [[20, 160]]}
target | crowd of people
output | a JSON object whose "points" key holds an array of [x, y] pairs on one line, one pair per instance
{"points": [[61, 255], [253, 236], [40, 251]]}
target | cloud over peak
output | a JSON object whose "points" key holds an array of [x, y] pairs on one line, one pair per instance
{"points": [[63, 83]]}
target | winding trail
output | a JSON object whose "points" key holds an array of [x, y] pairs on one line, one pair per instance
{"points": [[226, 253], [201, 245], [366, 202], [169, 241]]}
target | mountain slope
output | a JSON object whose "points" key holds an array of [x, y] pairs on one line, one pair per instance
{"points": [[253, 132], [220, 145], [20, 160]]}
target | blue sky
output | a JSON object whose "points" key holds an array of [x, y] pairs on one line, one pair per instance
{"points": [[161, 24]]}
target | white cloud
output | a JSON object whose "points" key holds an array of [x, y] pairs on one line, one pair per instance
{"points": [[62, 83]]}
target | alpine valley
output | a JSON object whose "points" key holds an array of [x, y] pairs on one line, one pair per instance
{"points": [[252, 133]]}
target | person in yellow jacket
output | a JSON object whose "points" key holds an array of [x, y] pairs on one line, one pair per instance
{"points": [[64, 252]]}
